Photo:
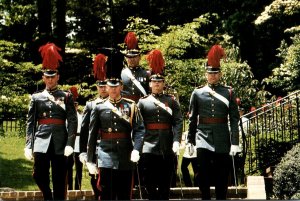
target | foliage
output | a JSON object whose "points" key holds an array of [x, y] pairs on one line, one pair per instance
{"points": [[15, 78], [269, 152], [181, 43], [286, 76], [278, 8], [286, 179]]}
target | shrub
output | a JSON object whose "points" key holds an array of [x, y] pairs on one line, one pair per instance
{"points": [[286, 180]]}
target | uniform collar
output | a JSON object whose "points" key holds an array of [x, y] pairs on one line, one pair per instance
{"points": [[52, 90], [134, 68], [158, 94], [102, 97], [213, 85], [115, 100]]}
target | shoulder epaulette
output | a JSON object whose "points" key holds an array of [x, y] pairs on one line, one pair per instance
{"points": [[199, 86]]}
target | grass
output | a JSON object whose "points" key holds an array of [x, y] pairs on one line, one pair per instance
{"points": [[16, 170]]}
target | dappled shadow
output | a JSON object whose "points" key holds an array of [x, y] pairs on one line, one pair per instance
{"points": [[16, 173]]}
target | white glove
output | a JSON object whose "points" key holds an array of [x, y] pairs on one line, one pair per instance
{"points": [[190, 149], [28, 153], [83, 157], [175, 147], [68, 151], [92, 168], [135, 156], [234, 149]]}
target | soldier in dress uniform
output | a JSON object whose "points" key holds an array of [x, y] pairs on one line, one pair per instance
{"points": [[163, 122], [48, 138], [119, 125], [99, 69], [211, 107], [135, 78]]}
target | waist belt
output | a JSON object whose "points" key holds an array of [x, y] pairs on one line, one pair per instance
{"points": [[132, 97], [212, 120], [158, 126], [112, 135], [51, 121]]}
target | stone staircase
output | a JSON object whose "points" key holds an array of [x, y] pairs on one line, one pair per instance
{"points": [[255, 190]]}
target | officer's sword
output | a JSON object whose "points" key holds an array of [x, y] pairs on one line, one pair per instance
{"points": [[138, 175], [177, 155], [234, 175]]}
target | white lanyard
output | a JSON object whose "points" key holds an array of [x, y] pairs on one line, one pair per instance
{"points": [[160, 104], [218, 96], [129, 74], [116, 111]]}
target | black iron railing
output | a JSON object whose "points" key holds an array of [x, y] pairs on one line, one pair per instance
{"points": [[269, 132]]}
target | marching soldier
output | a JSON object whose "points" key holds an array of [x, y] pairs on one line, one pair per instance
{"points": [[52, 140], [163, 123], [135, 78], [211, 107], [100, 75], [118, 124]]}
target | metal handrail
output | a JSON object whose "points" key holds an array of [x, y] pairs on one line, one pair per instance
{"points": [[268, 132]]}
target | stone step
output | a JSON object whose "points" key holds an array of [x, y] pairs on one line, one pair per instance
{"points": [[175, 194], [255, 190]]}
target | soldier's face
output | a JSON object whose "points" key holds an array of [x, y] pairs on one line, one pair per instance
{"points": [[114, 92], [50, 81], [102, 91], [213, 78], [157, 86], [133, 61]]}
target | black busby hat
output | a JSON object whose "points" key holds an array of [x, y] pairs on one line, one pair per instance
{"points": [[131, 42], [99, 68], [215, 54], [51, 58], [157, 63], [114, 66]]}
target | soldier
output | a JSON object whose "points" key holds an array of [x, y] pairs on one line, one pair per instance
{"points": [[163, 123], [134, 77], [118, 123], [100, 75], [210, 109], [52, 140]]}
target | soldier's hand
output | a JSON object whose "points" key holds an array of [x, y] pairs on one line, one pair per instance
{"points": [[234, 149], [83, 157], [68, 151], [92, 168], [135, 156], [175, 147], [28, 153]]}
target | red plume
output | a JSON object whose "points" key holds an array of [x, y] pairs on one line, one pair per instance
{"points": [[74, 91], [156, 61], [131, 41], [215, 54], [50, 56], [99, 67]]}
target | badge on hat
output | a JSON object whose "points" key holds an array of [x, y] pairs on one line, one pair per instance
{"points": [[51, 58]]}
